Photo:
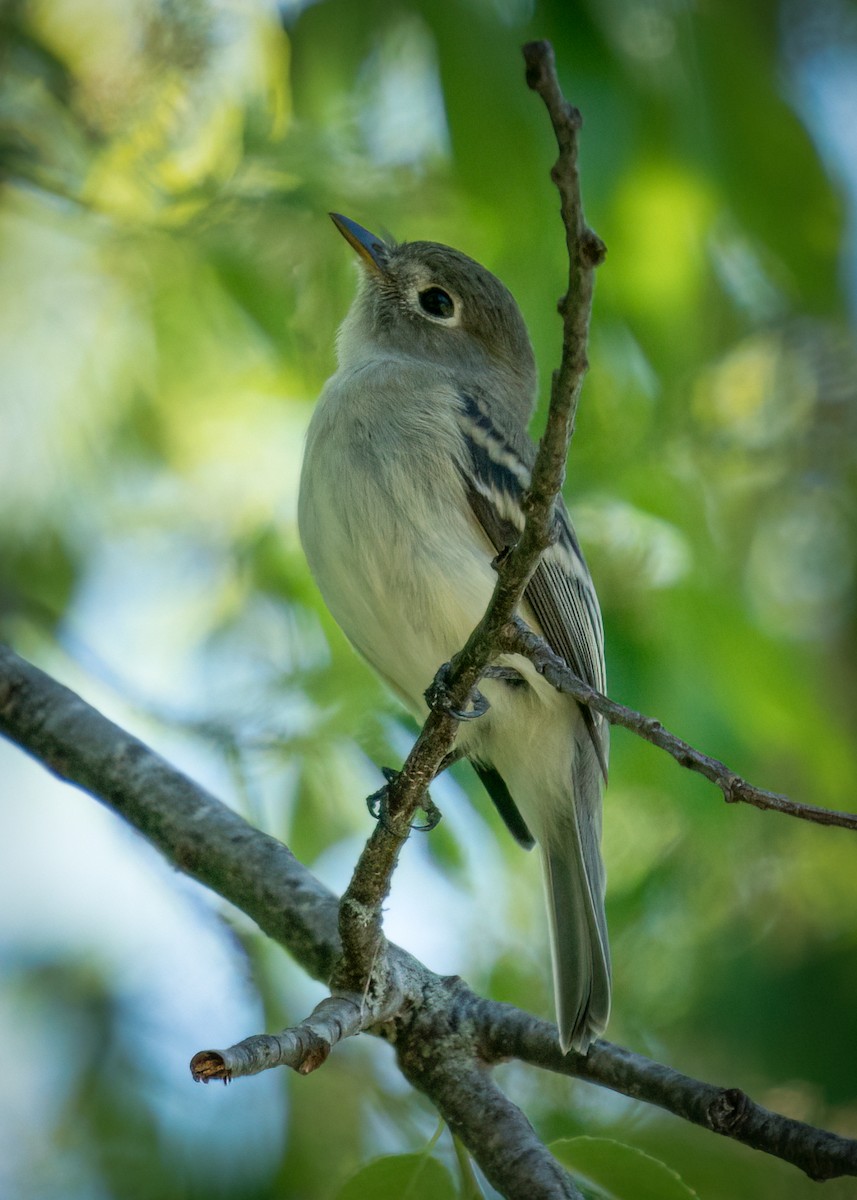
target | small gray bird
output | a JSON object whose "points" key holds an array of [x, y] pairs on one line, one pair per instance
{"points": [[416, 460]]}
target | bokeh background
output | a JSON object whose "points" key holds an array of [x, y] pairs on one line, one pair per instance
{"points": [[170, 287]]}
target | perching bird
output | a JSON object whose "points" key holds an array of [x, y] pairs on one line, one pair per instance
{"points": [[416, 460]]}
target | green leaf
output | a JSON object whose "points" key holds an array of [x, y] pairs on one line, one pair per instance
{"points": [[617, 1171], [401, 1177], [470, 1189]]}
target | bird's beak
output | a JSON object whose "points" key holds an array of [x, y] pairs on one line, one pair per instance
{"points": [[371, 249]]}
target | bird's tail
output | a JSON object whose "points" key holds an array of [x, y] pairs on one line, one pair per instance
{"points": [[575, 885]]}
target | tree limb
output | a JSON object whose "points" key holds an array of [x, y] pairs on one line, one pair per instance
{"points": [[437, 1057], [509, 1033], [440, 1021], [211, 843]]}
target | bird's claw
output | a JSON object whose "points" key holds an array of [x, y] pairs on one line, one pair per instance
{"points": [[437, 698], [433, 816], [377, 805], [479, 707], [501, 557]]}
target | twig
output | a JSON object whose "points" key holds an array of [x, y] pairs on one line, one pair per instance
{"points": [[585, 249], [440, 1020], [303, 1047], [360, 913], [518, 639]]}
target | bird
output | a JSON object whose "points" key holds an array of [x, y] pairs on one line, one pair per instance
{"points": [[415, 464]]}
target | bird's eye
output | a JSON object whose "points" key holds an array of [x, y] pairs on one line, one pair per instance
{"points": [[437, 303]]}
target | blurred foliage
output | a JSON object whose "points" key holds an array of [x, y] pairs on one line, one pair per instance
{"points": [[416, 1176], [170, 289], [609, 1170]]}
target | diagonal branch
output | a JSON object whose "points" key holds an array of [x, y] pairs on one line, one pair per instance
{"points": [[360, 911], [460, 1087], [364, 963], [518, 639]]}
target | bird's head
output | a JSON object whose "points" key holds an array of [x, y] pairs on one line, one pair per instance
{"points": [[427, 301]]}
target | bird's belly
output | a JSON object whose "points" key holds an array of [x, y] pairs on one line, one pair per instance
{"points": [[405, 590]]}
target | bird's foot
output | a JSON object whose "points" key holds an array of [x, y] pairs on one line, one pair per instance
{"points": [[377, 805], [377, 802], [437, 698], [501, 557], [433, 815]]}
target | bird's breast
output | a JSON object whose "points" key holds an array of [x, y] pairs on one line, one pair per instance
{"points": [[389, 537]]}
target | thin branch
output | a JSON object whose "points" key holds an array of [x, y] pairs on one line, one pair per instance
{"points": [[585, 250], [518, 639], [303, 1047], [440, 1020], [360, 913]]}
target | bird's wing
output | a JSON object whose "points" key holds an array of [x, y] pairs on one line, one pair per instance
{"points": [[560, 592]]}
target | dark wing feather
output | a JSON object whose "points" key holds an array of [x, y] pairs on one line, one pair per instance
{"points": [[495, 786], [560, 592]]}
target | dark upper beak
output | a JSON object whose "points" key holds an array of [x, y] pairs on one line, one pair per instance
{"points": [[371, 249]]}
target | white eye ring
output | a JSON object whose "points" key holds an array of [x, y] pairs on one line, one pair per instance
{"points": [[435, 303]]}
